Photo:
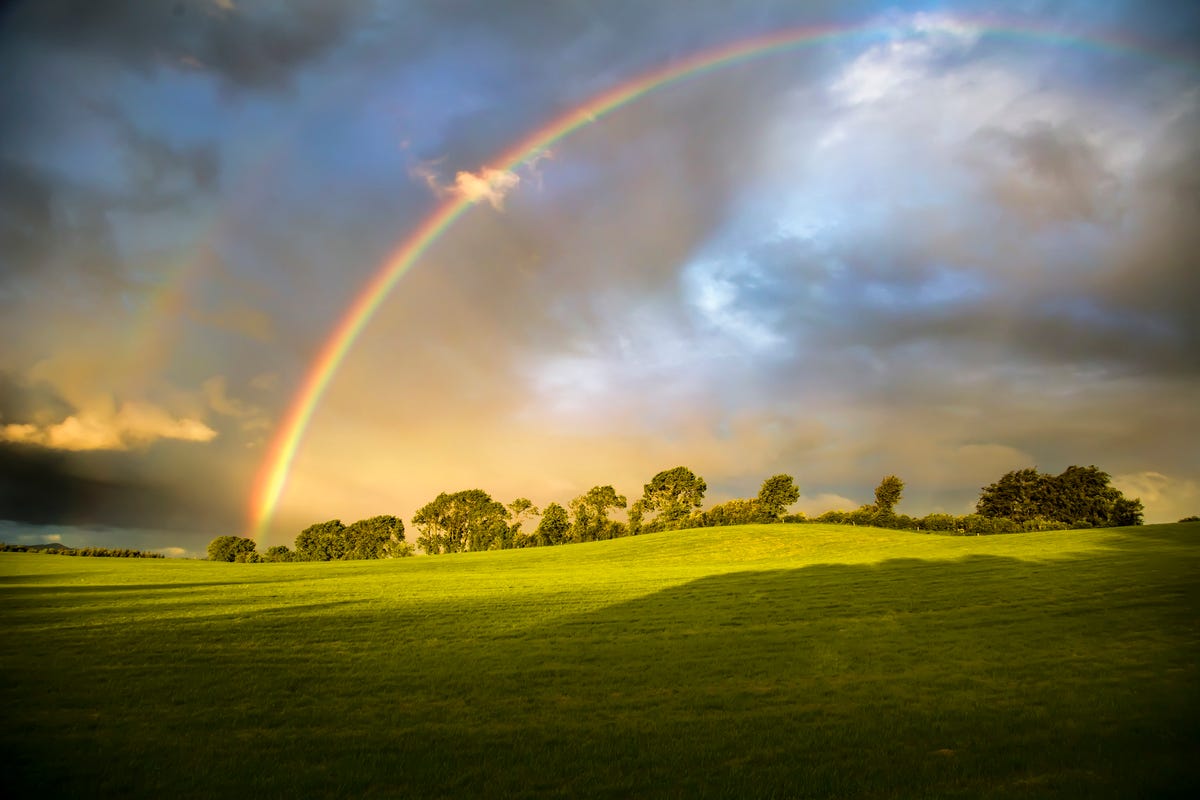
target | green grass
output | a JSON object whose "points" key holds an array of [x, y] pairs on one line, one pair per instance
{"points": [[758, 661]]}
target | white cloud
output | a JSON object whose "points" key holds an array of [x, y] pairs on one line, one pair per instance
{"points": [[715, 290]]}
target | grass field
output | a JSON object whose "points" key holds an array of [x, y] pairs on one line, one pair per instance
{"points": [[757, 661]]}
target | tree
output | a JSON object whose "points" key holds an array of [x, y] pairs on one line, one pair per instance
{"points": [[228, 548], [376, 537], [939, 522], [636, 512], [673, 493], [456, 523], [887, 494], [1020, 495], [1078, 497], [554, 526], [1126, 511], [738, 511], [591, 513], [279, 552], [777, 493], [324, 541], [519, 510]]}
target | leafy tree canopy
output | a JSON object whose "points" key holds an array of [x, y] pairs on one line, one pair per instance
{"points": [[554, 528], [739, 511], [673, 493], [228, 548], [375, 537], [466, 520], [324, 541], [887, 494], [1078, 496], [777, 493], [591, 513]]}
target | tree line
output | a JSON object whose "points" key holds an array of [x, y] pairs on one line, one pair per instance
{"points": [[376, 537], [471, 520], [56, 549]]}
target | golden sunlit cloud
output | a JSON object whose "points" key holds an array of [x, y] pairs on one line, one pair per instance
{"points": [[134, 424], [1166, 497], [488, 184]]}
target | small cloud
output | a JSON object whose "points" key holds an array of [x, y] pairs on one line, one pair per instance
{"points": [[134, 424], [426, 173], [488, 184], [531, 164]]}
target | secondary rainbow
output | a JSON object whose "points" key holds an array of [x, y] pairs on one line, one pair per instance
{"points": [[274, 469]]}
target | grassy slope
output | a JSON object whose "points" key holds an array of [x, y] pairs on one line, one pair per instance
{"points": [[753, 661]]}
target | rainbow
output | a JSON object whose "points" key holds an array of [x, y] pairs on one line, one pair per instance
{"points": [[274, 469]]}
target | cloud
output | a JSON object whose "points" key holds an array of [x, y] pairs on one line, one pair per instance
{"points": [[254, 46], [265, 381], [825, 501], [238, 318], [134, 424], [91, 535], [252, 417], [1051, 173], [488, 184], [1166, 498]]}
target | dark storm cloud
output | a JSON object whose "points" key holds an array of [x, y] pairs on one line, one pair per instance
{"points": [[44, 487], [26, 216], [51, 227], [524, 63], [252, 45], [1158, 270], [1049, 173], [57, 235], [158, 173]]}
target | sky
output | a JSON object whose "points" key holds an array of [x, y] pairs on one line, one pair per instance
{"points": [[941, 240]]}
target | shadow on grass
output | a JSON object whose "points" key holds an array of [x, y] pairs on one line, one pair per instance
{"points": [[986, 676], [58, 587]]}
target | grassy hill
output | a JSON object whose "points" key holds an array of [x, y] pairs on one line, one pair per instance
{"points": [[756, 661]]}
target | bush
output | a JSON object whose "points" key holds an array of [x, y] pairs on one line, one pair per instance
{"points": [[939, 522]]}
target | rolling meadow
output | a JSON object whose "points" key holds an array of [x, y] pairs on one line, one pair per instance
{"points": [[749, 661]]}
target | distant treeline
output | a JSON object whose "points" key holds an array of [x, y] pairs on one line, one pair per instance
{"points": [[470, 520], [1020, 502], [377, 537], [55, 549]]}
